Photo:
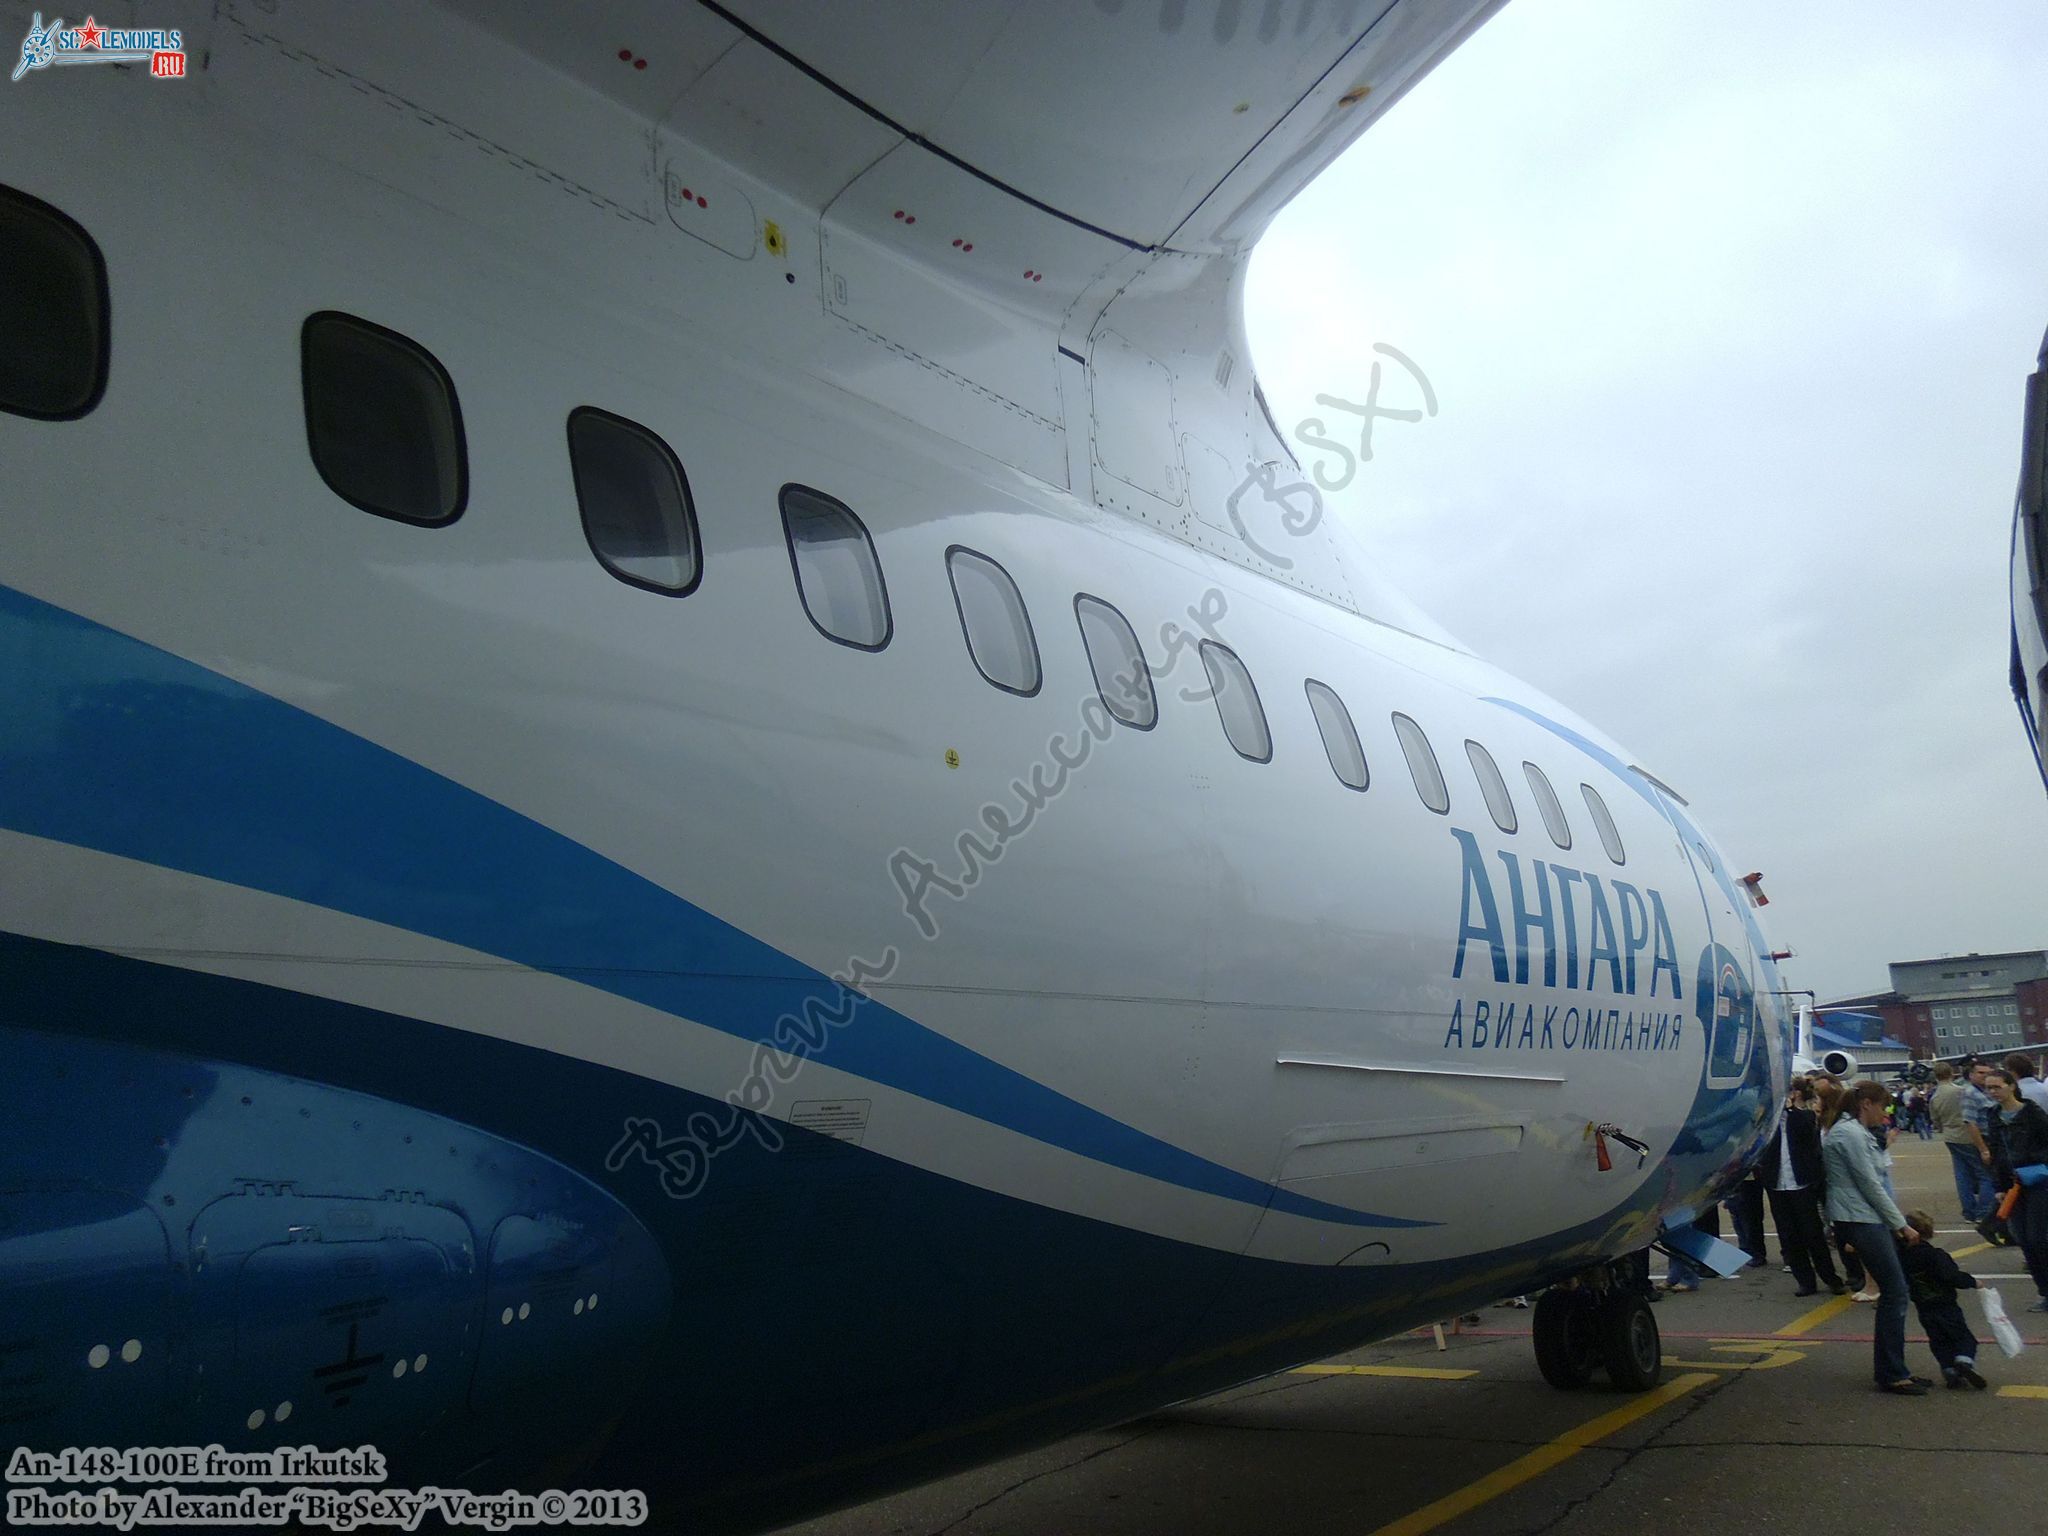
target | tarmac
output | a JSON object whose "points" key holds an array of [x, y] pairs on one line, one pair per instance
{"points": [[1766, 1420]]}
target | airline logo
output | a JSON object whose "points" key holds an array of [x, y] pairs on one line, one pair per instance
{"points": [[162, 49], [1561, 929]]}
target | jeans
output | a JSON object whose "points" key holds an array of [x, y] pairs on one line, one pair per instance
{"points": [[1683, 1270], [1973, 1182], [1746, 1209], [1948, 1335], [2029, 1228], [1800, 1234], [1879, 1251], [1852, 1266]]}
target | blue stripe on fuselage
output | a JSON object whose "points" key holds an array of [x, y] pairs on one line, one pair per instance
{"points": [[113, 744], [1667, 809]]}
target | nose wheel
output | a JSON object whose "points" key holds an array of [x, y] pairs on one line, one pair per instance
{"points": [[1594, 1324], [1567, 1333]]}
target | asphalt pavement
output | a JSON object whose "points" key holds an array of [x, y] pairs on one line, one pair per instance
{"points": [[1767, 1420]]}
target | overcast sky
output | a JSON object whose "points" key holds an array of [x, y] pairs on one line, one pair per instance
{"points": [[1728, 307]]}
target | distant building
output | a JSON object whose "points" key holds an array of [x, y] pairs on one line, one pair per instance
{"points": [[1960, 1005]]}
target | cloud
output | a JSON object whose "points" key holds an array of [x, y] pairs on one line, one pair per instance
{"points": [[1728, 308]]}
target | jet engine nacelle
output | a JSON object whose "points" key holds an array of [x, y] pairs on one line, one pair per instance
{"points": [[1840, 1063]]}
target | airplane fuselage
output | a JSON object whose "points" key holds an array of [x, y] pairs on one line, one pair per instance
{"points": [[461, 1001]]}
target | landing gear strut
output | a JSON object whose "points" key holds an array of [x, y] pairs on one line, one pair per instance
{"points": [[1598, 1320]]}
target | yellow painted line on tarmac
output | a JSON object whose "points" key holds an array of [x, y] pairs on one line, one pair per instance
{"points": [[1542, 1459], [1406, 1372], [1763, 1355], [1834, 1306], [2023, 1392]]}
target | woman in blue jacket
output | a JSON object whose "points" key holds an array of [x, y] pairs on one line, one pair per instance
{"points": [[1866, 1215]]}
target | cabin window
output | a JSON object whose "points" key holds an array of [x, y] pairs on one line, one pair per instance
{"points": [[1498, 804], [837, 574], [1422, 765], [1610, 837], [992, 617], [381, 420], [635, 502], [1340, 736], [1121, 676], [53, 312], [1237, 703], [1554, 823]]}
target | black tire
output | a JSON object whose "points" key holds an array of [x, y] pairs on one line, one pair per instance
{"points": [[1567, 1337], [1630, 1346]]}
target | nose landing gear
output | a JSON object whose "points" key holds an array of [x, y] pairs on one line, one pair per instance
{"points": [[1599, 1320]]}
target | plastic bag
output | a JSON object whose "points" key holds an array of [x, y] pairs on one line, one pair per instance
{"points": [[2002, 1330]]}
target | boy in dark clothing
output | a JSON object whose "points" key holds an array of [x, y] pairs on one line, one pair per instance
{"points": [[1933, 1277]]}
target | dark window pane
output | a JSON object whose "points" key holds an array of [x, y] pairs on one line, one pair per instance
{"points": [[53, 312], [1340, 736], [635, 502], [993, 619], [1498, 803], [1422, 765], [837, 574], [1237, 702], [1610, 835], [382, 421], [1121, 676], [1546, 801]]}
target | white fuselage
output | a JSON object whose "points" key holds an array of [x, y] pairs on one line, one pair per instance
{"points": [[1188, 980]]}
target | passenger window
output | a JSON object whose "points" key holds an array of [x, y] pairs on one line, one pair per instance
{"points": [[1498, 804], [837, 574], [1237, 702], [53, 312], [381, 420], [635, 502], [1610, 836], [1422, 765], [992, 617], [1121, 676], [1340, 736], [1546, 801]]}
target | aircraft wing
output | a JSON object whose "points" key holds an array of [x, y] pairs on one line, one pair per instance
{"points": [[1180, 124]]}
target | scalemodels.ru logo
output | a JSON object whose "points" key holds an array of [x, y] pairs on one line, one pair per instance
{"points": [[162, 49]]}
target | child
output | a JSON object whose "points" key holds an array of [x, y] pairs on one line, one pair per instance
{"points": [[1934, 1278]]}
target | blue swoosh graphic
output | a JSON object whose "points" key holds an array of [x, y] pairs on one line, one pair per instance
{"points": [[1669, 811], [109, 743]]}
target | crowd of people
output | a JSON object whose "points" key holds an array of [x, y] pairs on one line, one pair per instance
{"points": [[1827, 1178]]}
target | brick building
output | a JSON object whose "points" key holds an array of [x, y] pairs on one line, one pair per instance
{"points": [[1959, 1005]]}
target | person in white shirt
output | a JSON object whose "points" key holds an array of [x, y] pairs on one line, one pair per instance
{"points": [[2031, 1088], [1791, 1172]]}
